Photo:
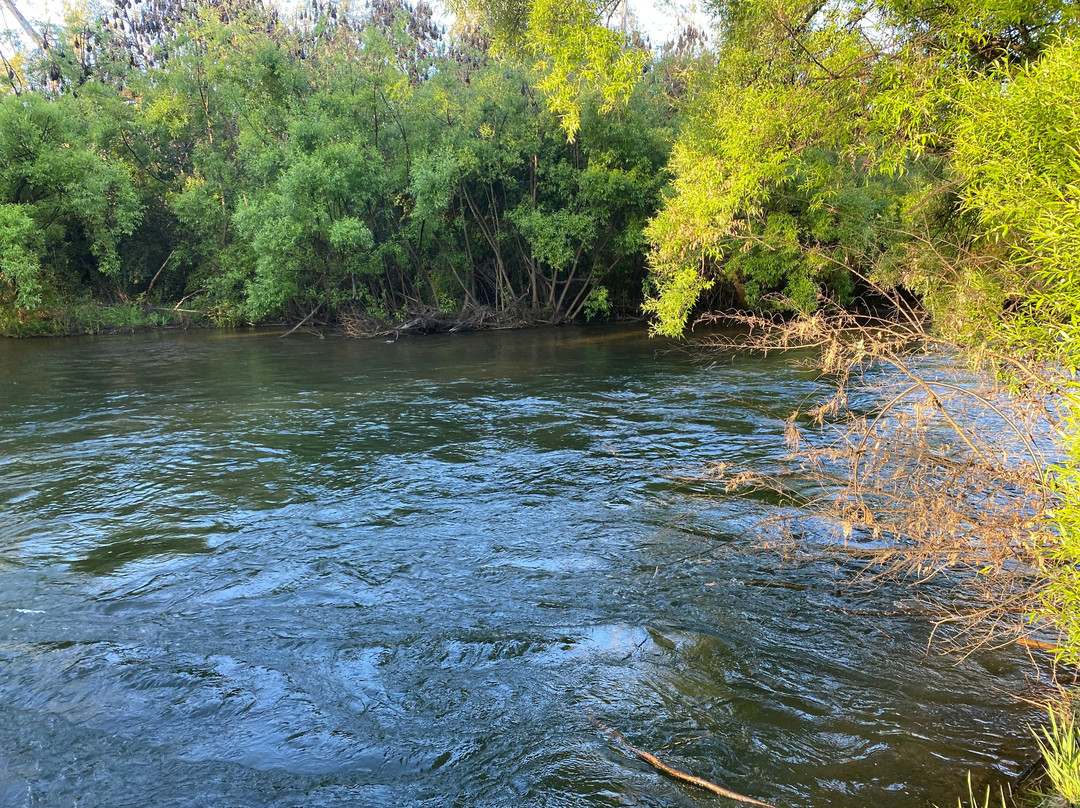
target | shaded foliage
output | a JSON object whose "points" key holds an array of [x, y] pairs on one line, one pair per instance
{"points": [[258, 166]]}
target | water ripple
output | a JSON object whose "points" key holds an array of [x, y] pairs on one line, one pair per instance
{"points": [[244, 571]]}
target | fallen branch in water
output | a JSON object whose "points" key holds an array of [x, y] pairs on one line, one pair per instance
{"points": [[310, 315], [360, 324], [671, 771]]}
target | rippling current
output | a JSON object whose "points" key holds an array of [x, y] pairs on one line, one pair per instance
{"points": [[241, 571]]}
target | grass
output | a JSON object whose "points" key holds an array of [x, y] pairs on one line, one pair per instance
{"points": [[985, 802], [1059, 744], [1060, 747], [86, 317]]}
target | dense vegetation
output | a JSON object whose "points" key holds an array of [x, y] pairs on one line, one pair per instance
{"points": [[333, 163], [888, 174], [922, 145], [540, 165]]}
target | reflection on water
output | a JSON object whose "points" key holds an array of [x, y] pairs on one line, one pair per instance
{"points": [[262, 572]]}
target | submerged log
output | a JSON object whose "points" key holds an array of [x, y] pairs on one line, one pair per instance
{"points": [[671, 771]]}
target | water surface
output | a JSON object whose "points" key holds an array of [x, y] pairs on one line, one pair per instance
{"points": [[241, 571]]}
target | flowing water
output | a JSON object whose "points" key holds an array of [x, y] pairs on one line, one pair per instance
{"points": [[240, 571]]}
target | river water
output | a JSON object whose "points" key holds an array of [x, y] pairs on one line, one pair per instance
{"points": [[237, 570]]}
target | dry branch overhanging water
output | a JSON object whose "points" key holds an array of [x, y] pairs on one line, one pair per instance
{"points": [[920, 459]]}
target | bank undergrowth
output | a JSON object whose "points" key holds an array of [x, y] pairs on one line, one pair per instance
{"points": [[91, 317]]}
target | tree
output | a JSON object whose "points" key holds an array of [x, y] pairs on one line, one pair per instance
{"points": [[803, 106], [65, 203]]}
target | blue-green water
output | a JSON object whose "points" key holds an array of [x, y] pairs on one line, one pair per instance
{"points": [[243, 571]]}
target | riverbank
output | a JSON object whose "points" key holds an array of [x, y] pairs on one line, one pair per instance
{"points": [[88, 317]]}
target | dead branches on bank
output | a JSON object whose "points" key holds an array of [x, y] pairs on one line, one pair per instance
{"points": [[360, 324]]}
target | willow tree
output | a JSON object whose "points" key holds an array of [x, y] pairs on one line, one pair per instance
{"points": [[833, 150], [828, 140]]}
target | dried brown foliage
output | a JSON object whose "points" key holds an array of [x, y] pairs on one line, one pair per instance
{"points": [[922, 462]]}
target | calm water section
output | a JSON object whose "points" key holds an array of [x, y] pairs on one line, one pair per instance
{"points": [[243, 571]]}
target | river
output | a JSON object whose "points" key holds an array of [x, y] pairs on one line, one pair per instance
{"points": [[237, 570]]}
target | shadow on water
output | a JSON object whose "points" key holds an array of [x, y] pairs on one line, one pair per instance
{"points": [[248, 571], [110, 557]]}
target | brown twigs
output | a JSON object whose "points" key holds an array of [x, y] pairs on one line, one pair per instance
{"points": [[923, 458]]}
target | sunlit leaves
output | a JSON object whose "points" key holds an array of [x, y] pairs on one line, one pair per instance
{"points": [[807, 102], [574, 53], [1018, 152], [765, 121]]}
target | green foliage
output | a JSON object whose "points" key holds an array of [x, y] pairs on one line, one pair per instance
{"points": [[89, 317], [515, 214], [65, 203], [573, 53], [1059, 744], [576, 54], [83, 317], [21, 243], [764, 197], [802, 114], [262, 167], [302, 223], [597, 304], [985, 801], [1061, 592], [1018, 150]]}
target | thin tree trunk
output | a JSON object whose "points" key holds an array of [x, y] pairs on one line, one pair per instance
{"points": [[25, 25], [573, 272], [493, 242], [310, 315]]}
